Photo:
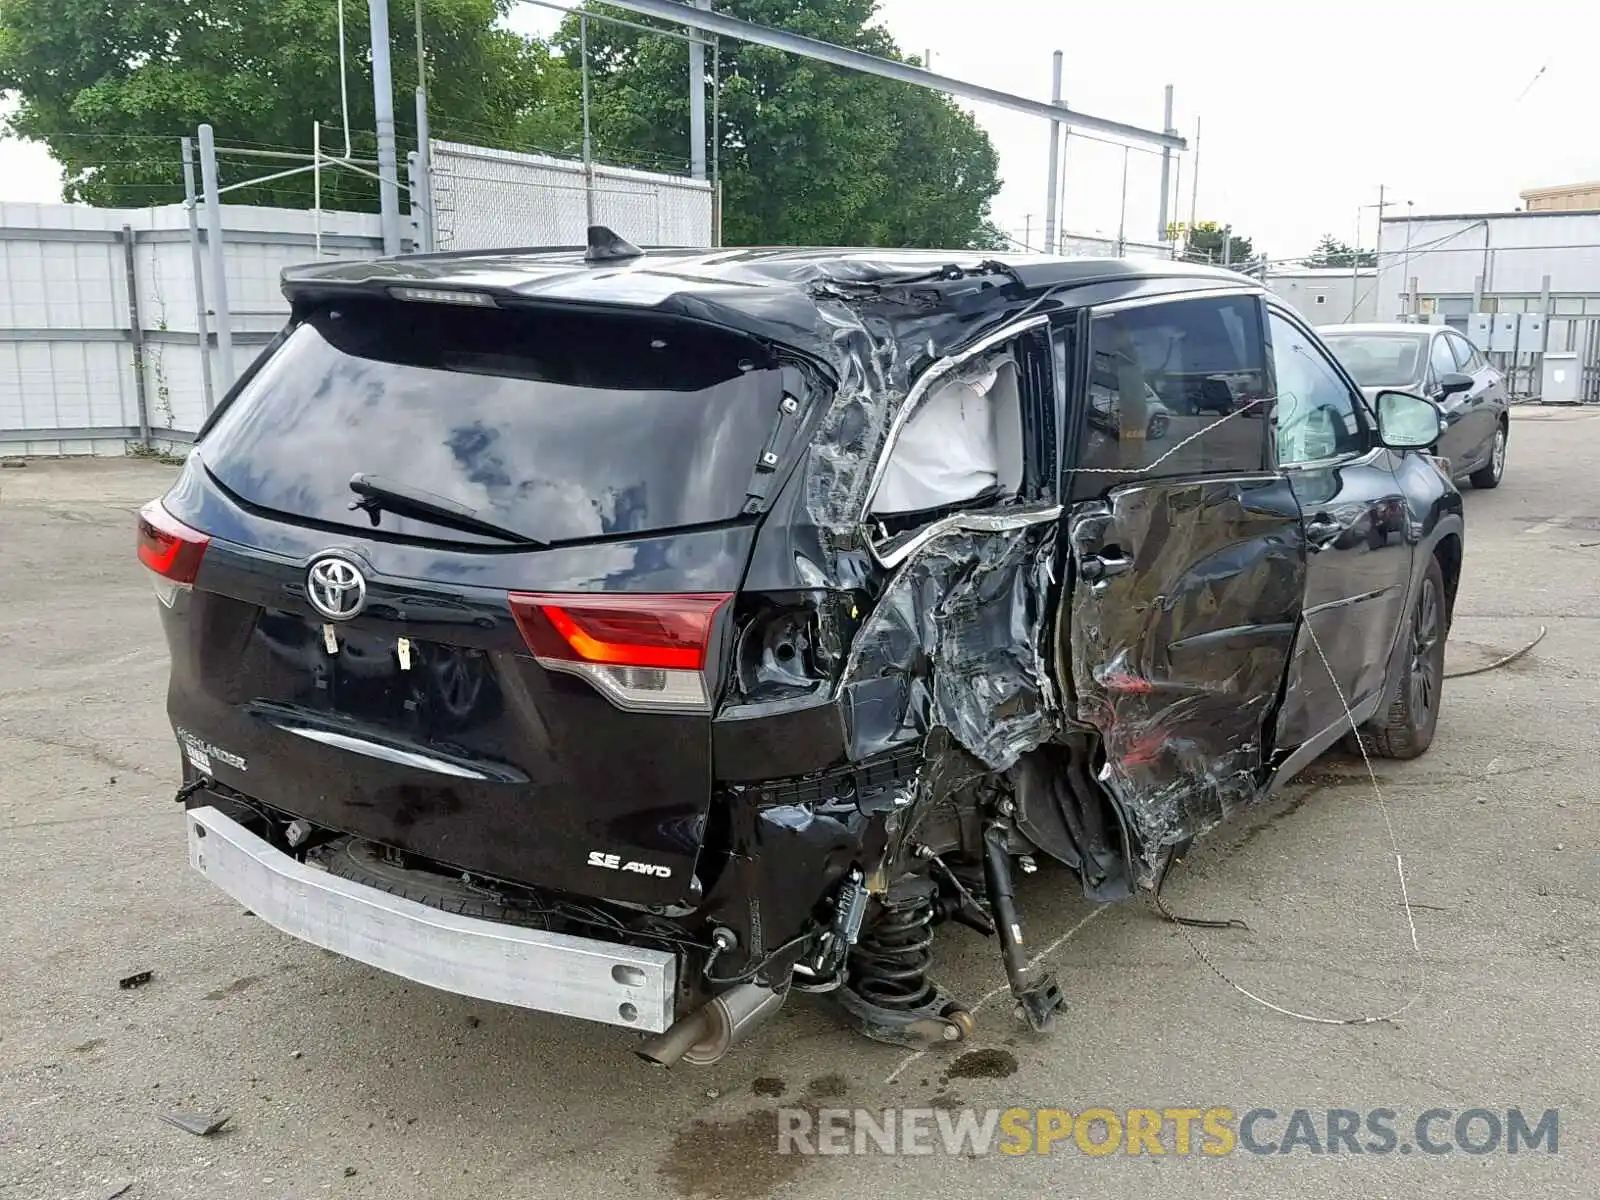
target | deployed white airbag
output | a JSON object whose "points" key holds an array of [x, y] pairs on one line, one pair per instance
{"points": [[964, 440]]}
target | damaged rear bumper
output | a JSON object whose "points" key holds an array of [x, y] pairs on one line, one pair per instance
{"points": [[529, 968]]}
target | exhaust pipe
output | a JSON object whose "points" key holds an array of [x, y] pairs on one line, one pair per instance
{"points": [[705, 1035]]}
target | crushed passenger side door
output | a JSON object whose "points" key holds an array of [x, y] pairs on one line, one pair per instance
{"points": [[1184, 601]]}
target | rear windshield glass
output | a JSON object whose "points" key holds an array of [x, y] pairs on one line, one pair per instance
{"points": [[1380, 359], [556, 425]]}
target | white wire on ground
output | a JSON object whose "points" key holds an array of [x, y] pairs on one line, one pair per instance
{"points": [[1400, 874]]}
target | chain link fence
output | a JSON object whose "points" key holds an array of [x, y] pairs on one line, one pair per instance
{"points": [[485, 198], [1088, 246]]}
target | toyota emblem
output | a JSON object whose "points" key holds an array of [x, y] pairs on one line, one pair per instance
{"points": [[336, 588]]}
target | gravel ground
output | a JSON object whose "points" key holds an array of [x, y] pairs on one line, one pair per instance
{"points": [[340, 1081]]}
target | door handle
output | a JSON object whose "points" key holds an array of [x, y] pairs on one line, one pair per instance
{"points": [[1092, 568], [1322, 532]]}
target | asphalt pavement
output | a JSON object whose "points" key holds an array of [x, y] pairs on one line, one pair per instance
{"points": [[340, 1081]]}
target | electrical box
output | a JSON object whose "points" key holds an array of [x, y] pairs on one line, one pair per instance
{"points": [[1561, 375], [1478, 325], [1530, 333], [1503, 333]]}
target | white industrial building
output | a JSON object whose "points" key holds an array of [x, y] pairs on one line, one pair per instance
{"points": [[1326, 295], [1525, 286]]}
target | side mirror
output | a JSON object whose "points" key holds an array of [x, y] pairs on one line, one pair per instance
{"points": [[1454, 383], [1408, 422]]}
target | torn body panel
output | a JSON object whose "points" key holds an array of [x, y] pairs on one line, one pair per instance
{"points": [[954, 643], [1185, 600], [926, 644]]}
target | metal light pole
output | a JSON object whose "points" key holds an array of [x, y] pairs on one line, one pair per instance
{"points": [[1055, 157], [1163, 233], [423, 198], [1122, 220], [588, 145], [1377, 253], [697, 98], [219, 264], [383, 106], [197, 265]]}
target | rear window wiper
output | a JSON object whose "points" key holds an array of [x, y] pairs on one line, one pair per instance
{"points": [[379, 495]]}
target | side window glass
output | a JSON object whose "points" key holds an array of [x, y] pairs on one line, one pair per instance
{"points": [[1444, 361], [1175, 389], [1316, 411], [1466, 354], [963, 447]]}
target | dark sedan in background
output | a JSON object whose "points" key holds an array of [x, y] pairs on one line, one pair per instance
{"points": [[1441, 364]]}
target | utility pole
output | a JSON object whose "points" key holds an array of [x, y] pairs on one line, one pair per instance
{"points": [[1194, 183], [1377, 253], [1055, 157], [697, 98], [1355, 259], [1405, 261], [383, 107], [1227, 245], [1027, 230]]}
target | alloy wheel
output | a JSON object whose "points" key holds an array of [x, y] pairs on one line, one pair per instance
{"points": [[1425, 664]]}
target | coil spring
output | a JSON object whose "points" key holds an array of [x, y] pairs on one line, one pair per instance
{"points": [[889, 964]]}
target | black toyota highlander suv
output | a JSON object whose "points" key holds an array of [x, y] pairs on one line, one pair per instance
{"points": [[645, 636]]}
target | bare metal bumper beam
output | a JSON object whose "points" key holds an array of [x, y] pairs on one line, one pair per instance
{"points": [[629, 986], [871, 64]]}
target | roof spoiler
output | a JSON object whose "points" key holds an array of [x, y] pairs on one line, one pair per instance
{"points": [[605, 245]]}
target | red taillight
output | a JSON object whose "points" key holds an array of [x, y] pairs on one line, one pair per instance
{"points": [[667, 631], [169, 547], [644, 653]]}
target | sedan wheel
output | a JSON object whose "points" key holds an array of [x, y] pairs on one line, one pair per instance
{"points": [[1490, 474]]}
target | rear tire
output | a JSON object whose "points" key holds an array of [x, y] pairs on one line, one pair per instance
{"points": [[1492, 472], [1406, 729]]}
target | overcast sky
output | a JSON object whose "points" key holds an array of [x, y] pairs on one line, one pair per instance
{"points": [[1305, 108]]}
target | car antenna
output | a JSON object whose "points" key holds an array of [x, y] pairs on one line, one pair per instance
{"points": [[606, 245]]}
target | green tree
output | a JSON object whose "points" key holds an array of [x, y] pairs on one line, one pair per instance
{"points": [[1331, 252], [1204, 243], [110, 87], [808, 153]]}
